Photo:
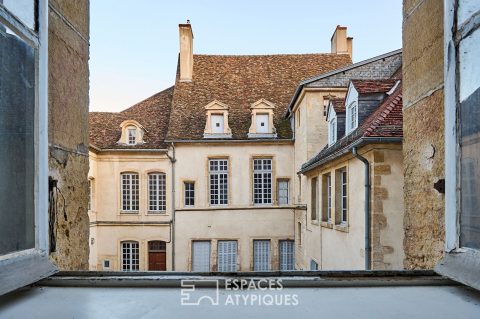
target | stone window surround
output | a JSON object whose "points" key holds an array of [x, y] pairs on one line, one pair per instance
{"points": [[217, 108], [262, 106], [126, 126]]}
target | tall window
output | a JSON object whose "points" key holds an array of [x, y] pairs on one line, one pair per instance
{"points": [[189, 196], [157, 192], [90, 194], [132, 136], [353, 116], [261, 255], [314, 198], [130, 256], [130, 192], [227, 255], [262, 181], [327, 198], [299, 233], [332, 131], [344, 196], [218, 181], [287, 255], [282, 191], [23, 143], [201, 256]]}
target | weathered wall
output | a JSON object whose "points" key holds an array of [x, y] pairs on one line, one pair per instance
{"points": [[68, 128], [423, 131]]}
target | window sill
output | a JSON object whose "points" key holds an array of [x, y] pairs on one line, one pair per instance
{"points": [[326, 225], [261, 135], [155, 213], [123, 212], [217, 135], [342, 227]]}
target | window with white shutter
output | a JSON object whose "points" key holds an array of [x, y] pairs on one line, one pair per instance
{"points": [[201, 256], [261, 255], [227, 255], [287, 255]]}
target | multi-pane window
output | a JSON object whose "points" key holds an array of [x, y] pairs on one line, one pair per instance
{"points": [[157, 192], [314, 199], [130, 192], [327, 198], [287, 255], [332, 134], [189, 195], [227, 255], [262, 181], [130, 256], [282, 190], [344, 196], [261, 255], [201, 256], [218, 169], [132, 136], [352, 120]]}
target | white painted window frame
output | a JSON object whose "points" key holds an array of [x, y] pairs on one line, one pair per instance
{"points": [[222, 177], [21, 268], [343, 194], [262, 255], [157, 192], [132, 249], [283, 200], [286, 255], [265, 188], [227, 255], [131, 195], [131, 135], [459, 263], [188, 193]]}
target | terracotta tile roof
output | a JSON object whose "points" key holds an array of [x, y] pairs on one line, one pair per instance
{"points": [[338, 105], [239, 81], [373, 86], [385, 122], [152, 113]]}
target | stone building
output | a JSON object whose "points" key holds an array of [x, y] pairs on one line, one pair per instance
{"points": [[227, 170]]}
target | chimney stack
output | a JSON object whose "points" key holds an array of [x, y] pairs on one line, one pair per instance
{"points": [[186, 52], [340, 43]]}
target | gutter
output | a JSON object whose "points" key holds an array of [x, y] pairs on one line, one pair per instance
{"points": [[346, 150], [368, 244], [172, 237]]}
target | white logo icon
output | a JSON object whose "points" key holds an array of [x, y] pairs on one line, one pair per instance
{"points": [[192, 297]]}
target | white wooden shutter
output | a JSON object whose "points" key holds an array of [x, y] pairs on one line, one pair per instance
{"points": [[217, 123], [287, 255], [227, 255], [201, 256], [261, 255], [262, 123]]}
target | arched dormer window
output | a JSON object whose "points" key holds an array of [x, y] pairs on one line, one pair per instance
{"points": [[262, 120], [217, 121], [132, 133]]}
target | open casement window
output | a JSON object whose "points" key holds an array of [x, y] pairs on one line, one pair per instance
{"points": [[462, 143], [23, 144]]}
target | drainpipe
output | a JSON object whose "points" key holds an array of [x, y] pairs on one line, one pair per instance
{"points": [[368, 245], [173, 160]]}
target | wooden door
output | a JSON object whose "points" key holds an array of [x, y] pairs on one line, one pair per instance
{"points": [[157, 255]]}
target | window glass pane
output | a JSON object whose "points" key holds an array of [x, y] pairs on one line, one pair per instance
{"points": [[470, 141], [17, 156], [22, 9], [262, 181]]}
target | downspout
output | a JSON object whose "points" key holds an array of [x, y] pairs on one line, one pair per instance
{"points": [[368, 245], [172, 231]]}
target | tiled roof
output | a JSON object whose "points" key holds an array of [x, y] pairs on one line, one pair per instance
{"points": [[338, 105], [385, 122], [373, 86], [239, 81], [152, 113]]}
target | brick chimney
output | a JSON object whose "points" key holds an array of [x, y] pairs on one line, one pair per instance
{"points": [[340, 43], [186, 51]]}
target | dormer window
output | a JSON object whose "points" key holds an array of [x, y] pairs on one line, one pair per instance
{"points": [[132, 133], [217, 121], [352, 116], [332, 131], [351, 103], [336, 120], [132, 136], [262, 120]]}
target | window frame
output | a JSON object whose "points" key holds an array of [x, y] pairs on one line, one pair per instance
{"points": [[255, 262], [192, 263], [314, 199], [186, 191], [131, 262], [343, 196], [160, 205], [131, 129], [332, 131], [281, 255], [264, 200], [24, 267], [286, 181], [131, 200], [222, 175], [226, 267]]}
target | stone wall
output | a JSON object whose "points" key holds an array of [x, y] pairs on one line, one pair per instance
{"points": [[68, 129], [423, 124]]}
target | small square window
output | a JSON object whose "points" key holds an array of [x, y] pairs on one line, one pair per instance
{"points": [[262, 124], [217, 124], [106, 264]]}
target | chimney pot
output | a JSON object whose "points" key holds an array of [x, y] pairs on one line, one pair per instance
{"points": [[340, 44]]}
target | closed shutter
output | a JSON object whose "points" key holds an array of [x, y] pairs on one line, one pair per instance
{"points": [[227, 255], [201, 256], [261, 255], [217, 123], [262, 123], [287, 255]]}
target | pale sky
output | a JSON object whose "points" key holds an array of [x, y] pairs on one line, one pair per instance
{"points": [[134, 44]]}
